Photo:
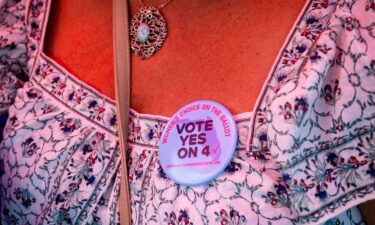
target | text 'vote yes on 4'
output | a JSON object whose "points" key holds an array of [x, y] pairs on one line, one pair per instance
{"points": [[191, 135]]}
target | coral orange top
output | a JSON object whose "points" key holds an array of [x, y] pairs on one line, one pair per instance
{"points": [[218, 50]]}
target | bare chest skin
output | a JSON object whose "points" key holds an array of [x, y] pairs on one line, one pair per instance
{"points": [[217, 50]]}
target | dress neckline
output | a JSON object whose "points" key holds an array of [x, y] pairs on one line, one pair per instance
{"points": [[251, 114]]}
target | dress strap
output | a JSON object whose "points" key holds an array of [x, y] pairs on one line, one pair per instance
{"points": [[36, 18]]}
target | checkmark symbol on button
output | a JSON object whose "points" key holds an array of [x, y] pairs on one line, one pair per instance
{"points": [[216, 149]]}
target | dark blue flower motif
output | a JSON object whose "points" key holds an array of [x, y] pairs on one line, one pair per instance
{"points": [[86, 148], [301, 48], [311, 20], [280, 189], [301, 103], [262, 157], [371, 170], [31, 94], [286, 177], [58, 199], [150, 134], [295, 114], [91, 180], [113, 120], [233, 168], [315, 57], [28, 141], [281, 77], [37, 71], [67, 126], [184, 214], [183, 218], [71, 96], [318, 50], [92, 104], [322, 195], [26, 203], [331, 157], [55, 80], [66, 130], [138, 174], [34, 26], [263, 137]]}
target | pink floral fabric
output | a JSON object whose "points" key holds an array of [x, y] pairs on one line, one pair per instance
{"points": [[305, 156], [20, 41], [315, 120]]}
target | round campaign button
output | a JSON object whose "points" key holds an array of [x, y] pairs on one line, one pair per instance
{"points": [[198, 143]]}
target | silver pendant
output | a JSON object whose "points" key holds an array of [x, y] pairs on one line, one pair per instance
{"points": [[148, 31]]}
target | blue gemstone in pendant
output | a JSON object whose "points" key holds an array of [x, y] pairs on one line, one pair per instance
{"points": [[143, 32]]}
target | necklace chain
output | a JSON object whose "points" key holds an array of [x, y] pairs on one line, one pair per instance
{"points": [[159, 7]]}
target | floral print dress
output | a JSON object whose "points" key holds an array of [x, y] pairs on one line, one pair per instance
{"points": [[304, 156]]}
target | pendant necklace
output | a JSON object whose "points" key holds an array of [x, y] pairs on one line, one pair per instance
{"points": [[148, 30]]}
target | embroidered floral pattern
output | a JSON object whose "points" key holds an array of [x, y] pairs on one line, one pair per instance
{"points": [[80, 99], [295, 114], [13, 51], [316, 114], [231, 218], [25, 197], [61, 133], [181, 219], [310, 154]]}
